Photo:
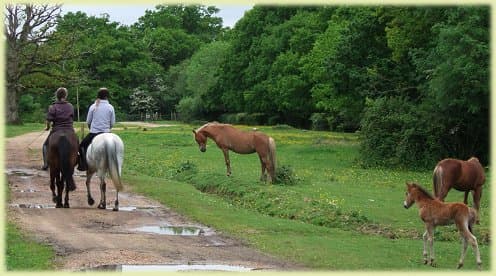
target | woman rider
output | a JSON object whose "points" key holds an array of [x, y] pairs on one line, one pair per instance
{"points": [[100, 119], [61, 116]]}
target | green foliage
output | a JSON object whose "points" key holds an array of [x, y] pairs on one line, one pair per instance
{"points": [[285, 175], [394, 134], [314, 67], [319, 121]]}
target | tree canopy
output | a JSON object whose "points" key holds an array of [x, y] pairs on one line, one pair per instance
{"points": [[413, 81]]}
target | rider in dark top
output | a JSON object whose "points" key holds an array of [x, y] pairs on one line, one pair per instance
{"points": [[61, 116]]}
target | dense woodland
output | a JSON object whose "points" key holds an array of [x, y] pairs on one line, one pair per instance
{"points": [[413, 81]]}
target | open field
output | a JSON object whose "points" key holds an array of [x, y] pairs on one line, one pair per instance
{"points": [[336, 216]]}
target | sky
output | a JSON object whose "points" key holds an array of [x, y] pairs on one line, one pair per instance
{"points": [[129, 14]]}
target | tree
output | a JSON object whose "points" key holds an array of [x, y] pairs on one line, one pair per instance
{"points": [[27, 29], [142, 103]]}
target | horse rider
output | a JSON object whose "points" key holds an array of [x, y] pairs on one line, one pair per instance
{"points": [[100, 119], [61, 116]]}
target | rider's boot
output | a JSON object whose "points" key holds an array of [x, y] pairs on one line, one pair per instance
{"points": [[82, 166], [45, 162]]}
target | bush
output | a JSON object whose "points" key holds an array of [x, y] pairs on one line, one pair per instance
{"points": [[285, 176], [243, 118], [394, 133], [319, 121]]}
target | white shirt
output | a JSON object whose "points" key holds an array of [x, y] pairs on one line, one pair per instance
{"points": [[101, 118]]}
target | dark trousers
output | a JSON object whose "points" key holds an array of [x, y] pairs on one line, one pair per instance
{"points": [[83, 147]]}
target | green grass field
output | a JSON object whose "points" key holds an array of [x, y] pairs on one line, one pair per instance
{"points": [[337, 216]]}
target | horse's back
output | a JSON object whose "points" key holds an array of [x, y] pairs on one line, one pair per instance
{"points": [[473, 172], [461, 174]]}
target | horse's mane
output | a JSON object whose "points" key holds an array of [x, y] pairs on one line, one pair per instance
{"points": [[209, 124], [423, 190]]}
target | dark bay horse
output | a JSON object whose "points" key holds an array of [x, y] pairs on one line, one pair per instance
{"points": [[461, 175], [244, 142], [105, 155], [62, 157], [434, 212]]}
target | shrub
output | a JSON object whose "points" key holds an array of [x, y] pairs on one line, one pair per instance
{"points": [[319, 121], [285, 176]]}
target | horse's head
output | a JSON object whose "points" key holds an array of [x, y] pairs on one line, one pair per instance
{"points": [[201, 139], [409, 200]]}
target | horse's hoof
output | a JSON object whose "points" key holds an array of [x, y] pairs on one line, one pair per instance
{"points": [[426, 262], [58, 206], [459, 266], [91, 201], [101, 206], [115, 209], [66, 206]]}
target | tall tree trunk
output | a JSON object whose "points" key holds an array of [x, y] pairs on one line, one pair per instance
{"points": [[12, 105]]}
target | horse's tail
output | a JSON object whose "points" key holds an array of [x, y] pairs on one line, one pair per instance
{"points": [[272, 157], [64, 149], [472, 218], [114, 161], [437, 180]]}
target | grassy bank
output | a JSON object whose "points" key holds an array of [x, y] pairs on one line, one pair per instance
{"points": [[337, 215]]}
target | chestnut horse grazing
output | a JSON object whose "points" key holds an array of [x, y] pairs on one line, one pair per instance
{"points": [[229, 138], [62, 157], [434, 212], [105, 155], [462, 175]]}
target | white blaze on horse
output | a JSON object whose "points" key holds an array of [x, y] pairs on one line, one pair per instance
{"points": [[434, 212], [105, 155], [244, 142]]}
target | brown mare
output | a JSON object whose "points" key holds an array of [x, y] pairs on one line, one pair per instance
{"points": [[434, 212], [462, 175], [62, 157], [229, 138]]}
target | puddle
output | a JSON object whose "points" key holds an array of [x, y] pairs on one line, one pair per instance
{"points": [[27, 191], [170, 268], [172, 230], [22, 172], [134, 208], [32, 206]]}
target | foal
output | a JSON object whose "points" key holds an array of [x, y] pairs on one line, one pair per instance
{"points": [[434, 212]]}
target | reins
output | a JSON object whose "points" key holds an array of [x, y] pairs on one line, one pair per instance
{"points": [[41, 133]]}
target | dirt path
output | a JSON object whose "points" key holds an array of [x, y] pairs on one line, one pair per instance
{"points": [[85, 237]]}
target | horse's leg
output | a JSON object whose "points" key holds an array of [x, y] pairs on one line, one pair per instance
{"points": [[464, 250], [52, 187], [116, 203], [60, 190], [477, 194], [473, 242], [228, 163], [424, 253], [263, 176], [465, 198], [66, 200], [430, 239], [103, 188], [89, 174]]}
